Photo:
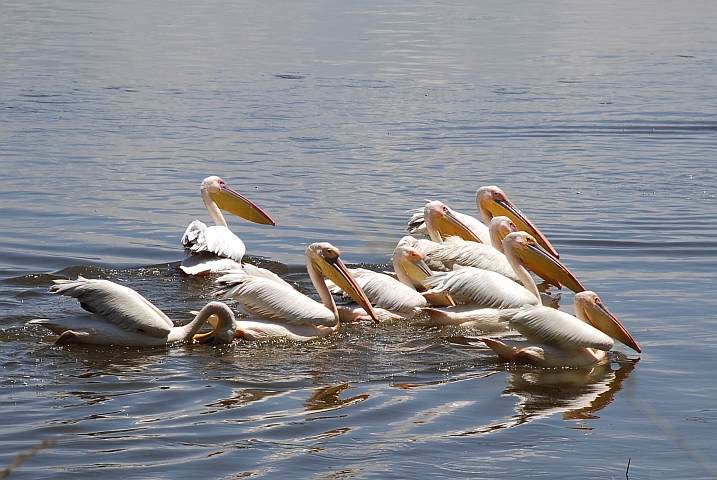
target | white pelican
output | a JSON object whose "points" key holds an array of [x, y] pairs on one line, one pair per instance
{"points": [[123, 317], [558, 339], [412, 270], [216, 248], [491, 202], [490, 289], [455, 249], [392, 297], [472, 228], [277, 310]]}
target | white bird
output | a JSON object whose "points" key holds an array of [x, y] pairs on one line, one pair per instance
{"points": [[277, 310], [470, 228], [216, 248], [390, 297], [484, 288], [411, 270], [491, 201], [558, 339], [454, 250], [555, 338], [120, 316]]}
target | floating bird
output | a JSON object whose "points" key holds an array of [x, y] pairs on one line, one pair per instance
{"points": [[216, 248], [558, 339], [456, 223], [411, 270], [123, 317], [456, 250], [490, 289], [555, 338], [278, 310], [491, 202], [391, 297]]}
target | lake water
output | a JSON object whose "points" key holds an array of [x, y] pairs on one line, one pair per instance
{"points": [[598, 120]]}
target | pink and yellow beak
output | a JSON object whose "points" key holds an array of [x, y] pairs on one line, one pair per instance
{"points": [[330, 265], [237, 204], [498, 204], [442, 222], [546, 266], [601, 318]]}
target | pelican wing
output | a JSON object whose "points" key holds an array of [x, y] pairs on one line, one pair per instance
{"points": [[480, 287], [555, 328], [216, 239], [473, 254], [386, 292], [116, 303], [266, 298]]}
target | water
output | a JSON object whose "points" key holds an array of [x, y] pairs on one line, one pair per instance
{"points": [[597, 120]]}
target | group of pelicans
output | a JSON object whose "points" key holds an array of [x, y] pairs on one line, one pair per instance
{"points": [[467, 272]]}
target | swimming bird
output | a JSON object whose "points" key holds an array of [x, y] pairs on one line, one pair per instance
{"points": [[491, 201], [216, 248], [391, 297], [555, 338], [120, 316], [457, 223], [558, 339], [484, 288], [278, 310], [455, 249]]}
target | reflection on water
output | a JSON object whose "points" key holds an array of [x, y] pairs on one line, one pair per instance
{"points": [[329, 398], [576, 393]]}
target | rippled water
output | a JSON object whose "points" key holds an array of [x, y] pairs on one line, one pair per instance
{"points": [[597, 120]]}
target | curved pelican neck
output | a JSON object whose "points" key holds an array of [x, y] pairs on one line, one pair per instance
{"points": [[213, 209], [318, 280], [223, 312], [485, 215], [401, 274], [523, 275]]}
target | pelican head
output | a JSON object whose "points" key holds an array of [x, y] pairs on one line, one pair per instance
{"points": [[492, 202], [224, 324], [499, 228], [524, 248], [233, 202], [323, 258], [409, 262], [442, 222], [590, 309]]}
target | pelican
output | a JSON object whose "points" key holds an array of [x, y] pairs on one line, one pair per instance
{"points": [[490, 289], [491, 201], [558, 339], [470, 228], [555, 338], [392, 297], [411, 270], [277, 310], [455, 249], [216, 248], [123, 317]]}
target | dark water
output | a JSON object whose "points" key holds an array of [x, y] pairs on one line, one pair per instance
{"points": [[599, 121]]}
